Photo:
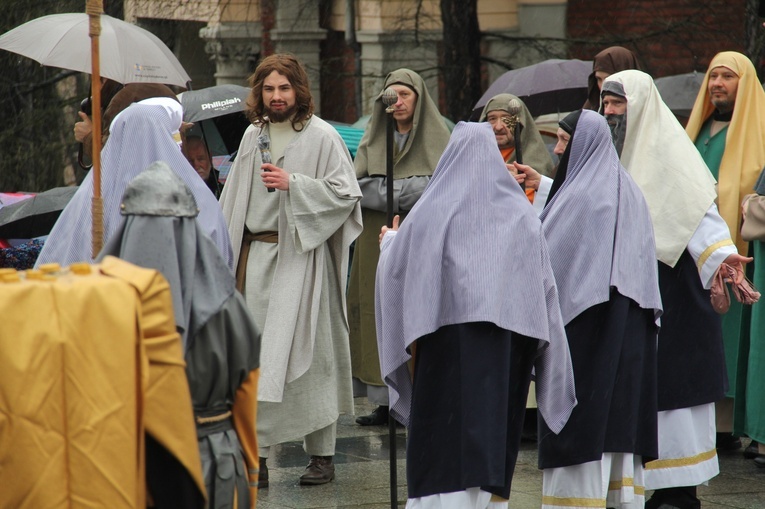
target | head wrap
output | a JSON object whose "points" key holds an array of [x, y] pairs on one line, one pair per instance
{"points": [[599, 240], [535, 153], [159, 234], [665, 165], [432, 275], [568, 123], [140, 135], [427, 139], [610, 60], [744, 155]]}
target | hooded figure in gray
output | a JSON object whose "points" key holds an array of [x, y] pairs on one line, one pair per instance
{"points": [[415, 156], [159, 230]]}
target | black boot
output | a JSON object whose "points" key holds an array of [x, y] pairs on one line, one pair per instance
{"points": [[262, 474], [674, 498], [752, 450], [727, 442], [378, 417]]}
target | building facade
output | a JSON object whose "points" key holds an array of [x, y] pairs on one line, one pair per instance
{"points": [[349, 46]]}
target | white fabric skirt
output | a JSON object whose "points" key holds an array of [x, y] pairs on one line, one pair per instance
{"points": [[687, 453], [614, 481], [471, 498]]}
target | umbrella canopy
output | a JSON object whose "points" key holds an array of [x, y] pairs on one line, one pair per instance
{"points": [[218, 115], [11, 198], [551, 86], [679, 91], [35, 216], [129, 54], [213, 102]]}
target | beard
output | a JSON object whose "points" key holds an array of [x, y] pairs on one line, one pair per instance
{"points": [[280, 116], [618, 126], [723, 105]]}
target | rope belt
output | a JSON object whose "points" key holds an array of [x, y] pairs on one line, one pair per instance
{"points": [[216, 423], [213, 418], [247, 238], [270, 237]]}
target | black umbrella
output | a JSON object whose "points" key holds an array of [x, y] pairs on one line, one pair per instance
{"points": [[551, 86], [219, 114], [34, 217], [213, 102], [679, 91]]}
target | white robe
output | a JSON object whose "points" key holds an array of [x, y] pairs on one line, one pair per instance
{"points": [[305, 358]]}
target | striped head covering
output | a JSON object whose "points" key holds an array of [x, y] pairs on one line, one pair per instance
{"points": [[744, 156], [140, 135], [471, 250], [665, 164], [599, 240], [426, 141]]}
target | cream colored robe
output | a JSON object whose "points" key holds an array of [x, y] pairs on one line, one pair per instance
{"points": [[305, 377]]}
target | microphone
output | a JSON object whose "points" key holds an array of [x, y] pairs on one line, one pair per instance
{"points": [[264, 145]]}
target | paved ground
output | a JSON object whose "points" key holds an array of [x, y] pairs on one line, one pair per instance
{"points": [[363, 477]]}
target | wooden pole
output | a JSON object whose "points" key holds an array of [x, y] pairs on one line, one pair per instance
{"points": [[94, 9], [389, 99]]}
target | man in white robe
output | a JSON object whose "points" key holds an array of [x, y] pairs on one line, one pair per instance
{"points": [[692, 240], [291, 256]]}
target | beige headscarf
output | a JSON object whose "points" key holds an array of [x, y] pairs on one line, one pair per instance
{"points": [[533, 148], [675, 181], [426, 142], [744, 155]]}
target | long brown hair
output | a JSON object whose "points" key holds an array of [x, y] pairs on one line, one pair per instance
{"points": [[289, 66]]}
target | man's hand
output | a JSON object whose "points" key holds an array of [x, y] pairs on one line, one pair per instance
{"points": [[274, 177], [527, 175], [737, 262], [394, 228], [83, 128]]}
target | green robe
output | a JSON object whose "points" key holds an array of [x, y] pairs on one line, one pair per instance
{"points": [[749, 404], [735, 322]]}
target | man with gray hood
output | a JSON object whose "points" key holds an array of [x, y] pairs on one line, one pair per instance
{"points": [[420, 136]]}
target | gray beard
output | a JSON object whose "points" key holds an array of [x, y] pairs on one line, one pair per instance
{"points": [[618, 126]]}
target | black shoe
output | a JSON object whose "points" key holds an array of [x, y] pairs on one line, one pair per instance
{"points": [[752, 450], [378, 417], [674, 498], [262, 474], [727, 442], [759, 460], [529, 431], [320, 470]]}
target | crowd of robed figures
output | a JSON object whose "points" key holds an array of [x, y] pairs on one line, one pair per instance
{"points": [[595, 273]]}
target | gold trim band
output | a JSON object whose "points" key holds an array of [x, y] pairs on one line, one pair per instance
{"points": [[681, 462], [711, 249]]}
